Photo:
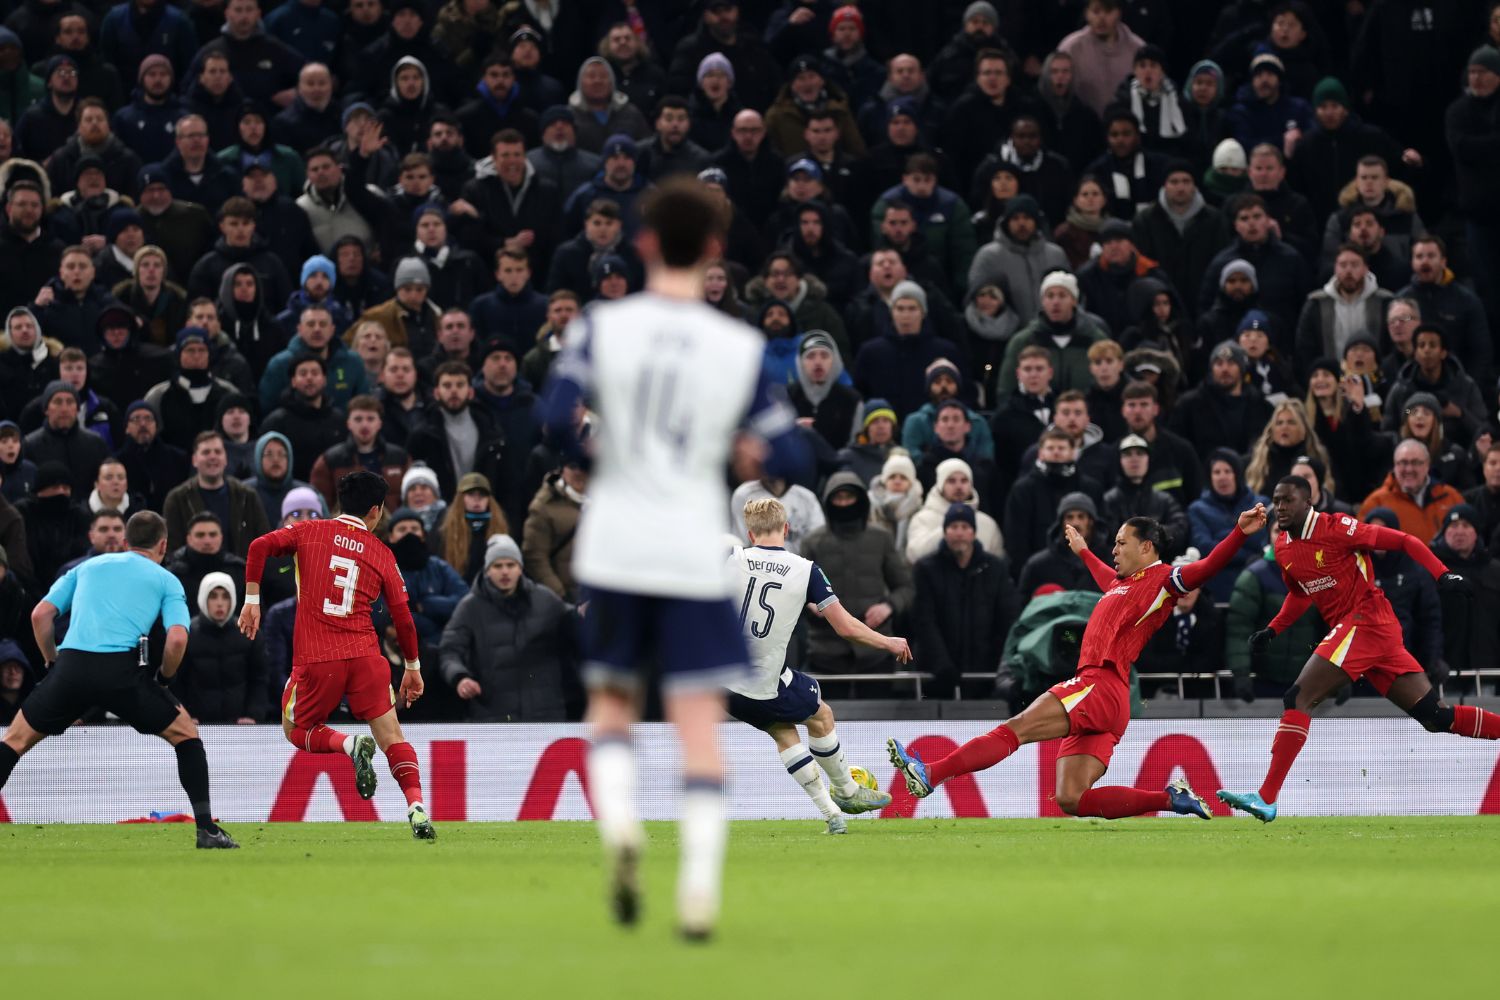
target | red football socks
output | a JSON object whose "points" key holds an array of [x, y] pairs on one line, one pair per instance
{"points": [[318, 739], [1475, 723], [403, 762], [1118, 801], [1291, 736], [979, 753]]}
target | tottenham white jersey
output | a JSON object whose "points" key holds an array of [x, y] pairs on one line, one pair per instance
{"points": [[774, 587], [672, 382]]}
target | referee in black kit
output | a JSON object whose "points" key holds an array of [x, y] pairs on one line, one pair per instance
{"points": [[115, 599]]}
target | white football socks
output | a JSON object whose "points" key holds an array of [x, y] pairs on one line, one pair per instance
{"points": [[612, 790], [703, 833], [799, 764], [827, 752], [349, 746]]}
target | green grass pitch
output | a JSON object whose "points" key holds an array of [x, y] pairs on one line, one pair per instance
{"points": [[929, 909]]}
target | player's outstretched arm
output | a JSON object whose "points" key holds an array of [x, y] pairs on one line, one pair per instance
{"points": [[1393, 540], [282, 541], [1196, 574], [1103, 576], [849, 627]]}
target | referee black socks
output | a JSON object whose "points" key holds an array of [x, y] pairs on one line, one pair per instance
{"points": [[8, 758], [192, 771]]}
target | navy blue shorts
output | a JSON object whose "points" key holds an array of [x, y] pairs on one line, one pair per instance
{"points": [[697, 643], [797, 697]]}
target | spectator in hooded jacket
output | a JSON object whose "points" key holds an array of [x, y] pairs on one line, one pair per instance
{"points": [[823, 404], [1031, 506], [1212, 515], [863, 565], [1056, 565], [56, 526], [188, 402], [223, 677], [61, 438], [433, 587], [1134, 496], [1224, 411]]}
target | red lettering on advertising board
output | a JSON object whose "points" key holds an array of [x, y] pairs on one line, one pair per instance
{"points": [[1488, 806], [963, 791], [4, 816], [301, 777], [448, 781], [560, 759], [1175, 751]]}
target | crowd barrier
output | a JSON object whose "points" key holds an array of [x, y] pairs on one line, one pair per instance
{"points": [[106, 774]]}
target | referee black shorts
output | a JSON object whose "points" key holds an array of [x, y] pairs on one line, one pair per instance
{"points": [[116, 682]]}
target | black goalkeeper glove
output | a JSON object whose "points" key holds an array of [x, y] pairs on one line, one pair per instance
{"points": [[1259, 641]]}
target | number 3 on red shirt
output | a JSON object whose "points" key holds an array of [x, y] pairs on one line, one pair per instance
{"points": [[345, 580]]}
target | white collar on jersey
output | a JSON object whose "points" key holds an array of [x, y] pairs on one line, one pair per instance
{"points": [[352, 521], [1307, 525]]}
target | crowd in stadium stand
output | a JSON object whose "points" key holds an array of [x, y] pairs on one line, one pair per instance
{"points": [[1018, 264]]}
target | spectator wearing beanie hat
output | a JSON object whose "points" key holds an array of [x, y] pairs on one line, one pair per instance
{"points": [[279, 581], [896, 496], [1263, 110], [1056, 565], [410, 318], [56, 526], [433, 588], [17, 472], [315, 287], [1226, 175], [62, 439], [1216, 511], [188, 402], [892, 367], [823, 403], [1224, 410], [848, 61], [713, 104], [874, 442], [1471, 133], [147, 122], [1017, 257], [505, 649], [1328, 154], [426, 499], [1063, 329], [124, 236], [953, 484], [944, 382], [1461, 546], [558, 159], [965, 603]]}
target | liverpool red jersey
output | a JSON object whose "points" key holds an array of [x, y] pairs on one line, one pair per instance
{"points": [[1327, 560], [1126, 616], [341, 570]]}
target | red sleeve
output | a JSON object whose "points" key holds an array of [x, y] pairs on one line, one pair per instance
{"points": [[1291, 610], [1196, 574], [1103, 575], [1391, 540], [394, 589], [282, 541]]}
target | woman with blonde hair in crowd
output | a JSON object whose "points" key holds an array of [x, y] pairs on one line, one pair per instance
{"points": [[1287, 435], [470, 522]]}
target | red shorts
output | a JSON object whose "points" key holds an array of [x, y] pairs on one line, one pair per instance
{"points": [[314, 690], [1098, 707], [1374, 651]]}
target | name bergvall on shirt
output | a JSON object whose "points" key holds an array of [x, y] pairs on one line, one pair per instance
{"points": [[761, 566]]}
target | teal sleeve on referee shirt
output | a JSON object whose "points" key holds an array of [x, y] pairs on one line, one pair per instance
{"points": [[174, 609], [60, 596]]}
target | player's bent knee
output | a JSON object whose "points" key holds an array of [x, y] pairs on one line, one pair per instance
{"points": [[1068, 802], [1430, 711]]}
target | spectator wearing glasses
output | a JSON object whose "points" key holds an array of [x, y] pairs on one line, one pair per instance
{"points": [[1419, 501]]}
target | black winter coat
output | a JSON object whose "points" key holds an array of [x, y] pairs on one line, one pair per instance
{"points": [[519, 649], [312, 430], [1031, 510], [1127, 500], [962, 614], [56, 532], [223, 676]]}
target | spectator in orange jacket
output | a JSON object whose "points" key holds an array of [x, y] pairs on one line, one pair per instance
{"points": [[1418, 500]]}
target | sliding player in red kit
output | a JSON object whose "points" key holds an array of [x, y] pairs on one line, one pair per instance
{"points": [[1324, 558], [342, 568], [1089, 713]]}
